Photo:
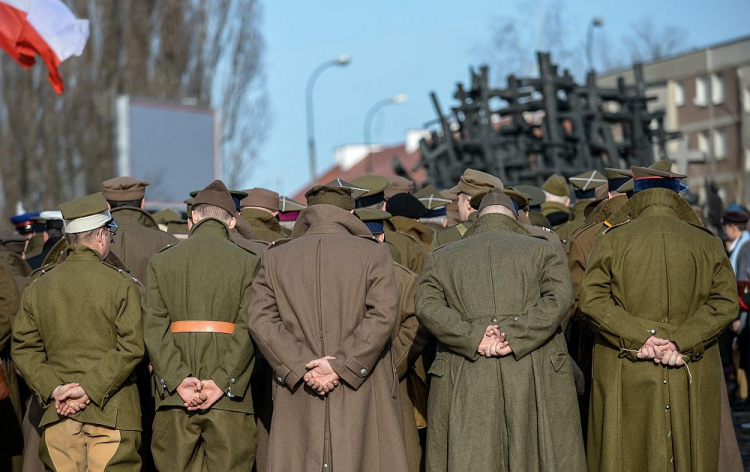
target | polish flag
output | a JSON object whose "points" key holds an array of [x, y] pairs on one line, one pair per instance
{"points": [[44, 27]]}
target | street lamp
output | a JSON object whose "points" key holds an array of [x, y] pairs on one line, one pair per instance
{"points": [[340, 61], [367, 131], [596, 22]]}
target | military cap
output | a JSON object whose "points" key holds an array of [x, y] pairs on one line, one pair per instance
{"points": [[518, 199], [330, 195], [398, 184], [356, 191], [534, 195], [216, 194], [616, 177], [373, 219], [86, 213], [262, 198], [628, 187], [289, 210], [407, 205], [124, 188], [166, 215], [52, 219], [237, 196], [23, 222], [645, 178], [556, 212], [375, 185], [585, 185], [473, 182], [188, 207], [434, 201], [497, 196], [13, 241], [736, 217], [38, 223], [556, 185]]}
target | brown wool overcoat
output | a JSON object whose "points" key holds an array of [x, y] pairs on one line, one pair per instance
{"points": [[329, 291], [659, 273]]}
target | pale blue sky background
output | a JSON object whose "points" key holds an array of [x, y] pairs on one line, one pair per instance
{"points": [[413, 47]]}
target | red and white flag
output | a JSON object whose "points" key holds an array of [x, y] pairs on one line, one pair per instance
{"points": [[44, 27]]}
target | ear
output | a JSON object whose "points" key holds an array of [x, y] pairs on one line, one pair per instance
{"points": [[232, 222], [143, 203]]}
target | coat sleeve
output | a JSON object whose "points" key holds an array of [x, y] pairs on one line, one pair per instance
{"points": [[8, 304], [442, 321], [410, 337], [118, 363], [527, 333], [617, 326], [286, 354], [743, 263], [709, 320], [234, 374], [169, 367], [29, 354], [360, 351]]}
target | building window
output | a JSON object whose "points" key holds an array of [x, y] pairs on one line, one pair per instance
{"points": [[679, 94], [701, 92], [720, 144], [747, 159], [703, 145], [746, 99], [717, 88]]}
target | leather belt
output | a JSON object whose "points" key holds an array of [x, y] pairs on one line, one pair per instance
{"points": [[202, 327]]}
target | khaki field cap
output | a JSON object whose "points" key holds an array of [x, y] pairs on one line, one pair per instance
{"points": [[398, 184], [122, 189], [357, 191], [585, 185], [373, 219], [216, 194], [473, 182], [261, 197], [375, 185], [556, 185], [534, 195], [86, 213], [330, 195], [286, 205], [431, 198], [617, 177]]}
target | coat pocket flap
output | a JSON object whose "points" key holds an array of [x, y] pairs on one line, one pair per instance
{"points": [[437, 368], [558, 360], [357, 367]]}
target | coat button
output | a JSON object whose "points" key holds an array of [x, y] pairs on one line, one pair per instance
{"points": [[494, 319], [232, 381], [515, 319], [665, 382], [363, 371], [698, 355], [106, 396], [653, 331], [667, 407], [279, 379]]}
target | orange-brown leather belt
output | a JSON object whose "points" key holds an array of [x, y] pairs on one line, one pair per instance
{"points": [[202, 327]]}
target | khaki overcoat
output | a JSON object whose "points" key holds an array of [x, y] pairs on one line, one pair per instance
{"points": [[329, 291], [515, 413], [17, 266], [658, 273], [138, 238], [264, 224], [411, 251], [452, 233], [414, 228]]}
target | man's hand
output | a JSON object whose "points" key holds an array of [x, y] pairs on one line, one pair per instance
{"points": [[320, 376], [671, 358], [493, 343], [652, 348], [190, 392], [70, 398], [210, 394]]}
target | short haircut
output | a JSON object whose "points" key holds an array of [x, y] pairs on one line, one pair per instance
{"points": [[82, 237], [54, 233], [206, 210], [497, 209], [125, 203]]}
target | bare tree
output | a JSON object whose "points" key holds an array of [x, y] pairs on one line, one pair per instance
{"points": [[53, 148], [649, 42]]}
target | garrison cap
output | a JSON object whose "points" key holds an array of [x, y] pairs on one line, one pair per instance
{"points": [[166, 215], [356, 191], [585, 185], [237, 196], [556, 185], [216, 194], [375, 185], [373, 219], [497, 196], [262, 198], [407, 205], [534, 195], [734, 216], [645, 178], [338, 196], [473, 182], [617, 177], [398, 184], [52, 219], [86, 213], [124, 188]]}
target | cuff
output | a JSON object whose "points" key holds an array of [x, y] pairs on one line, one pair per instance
{"points": [[354, 373]]}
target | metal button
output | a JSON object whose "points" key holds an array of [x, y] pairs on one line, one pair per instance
{"points": [[232, 381], [698, 355], [363, 371], [665, 382], [667, 407], [325, 466], [494, 319], [653, 331], [279, 378], [515, 319], [106, 396]]}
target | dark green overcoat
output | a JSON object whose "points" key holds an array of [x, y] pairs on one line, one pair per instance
{"points": [[515, 413], [658, 273]]}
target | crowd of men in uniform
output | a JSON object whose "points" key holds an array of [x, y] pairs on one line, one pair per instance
{"points": [[377, 327]]}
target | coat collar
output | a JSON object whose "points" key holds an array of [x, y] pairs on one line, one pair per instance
{"points": [[210, 228], [495, 222], [267, 219], [605, 209], [133, 216], [328, 219], [79, 252], [655, 198], [413, 227]]}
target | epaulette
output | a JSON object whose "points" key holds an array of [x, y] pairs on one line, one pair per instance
{"points": [[41, 271], [702, 227], [370, 237], [167, 247], [409, 236], [544, 228], [609, 226], [403, 268], [278, 243]]}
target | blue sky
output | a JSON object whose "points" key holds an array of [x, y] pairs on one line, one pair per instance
{"points": [[414, 47]]}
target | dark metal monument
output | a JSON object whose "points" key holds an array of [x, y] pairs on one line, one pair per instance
{"points": [[535, 127]]}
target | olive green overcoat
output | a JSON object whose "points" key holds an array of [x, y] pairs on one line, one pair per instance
{"points": [[658, 273], [413, 228], [452, 233], [204, 278], [138, 238], [329, 291], [17, 266], [80, 321], [515, 413], [411, 251], [264, 224]]}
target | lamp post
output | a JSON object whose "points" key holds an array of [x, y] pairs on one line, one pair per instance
{"points": [[367, 129], [596, 22], [340, 61]]}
